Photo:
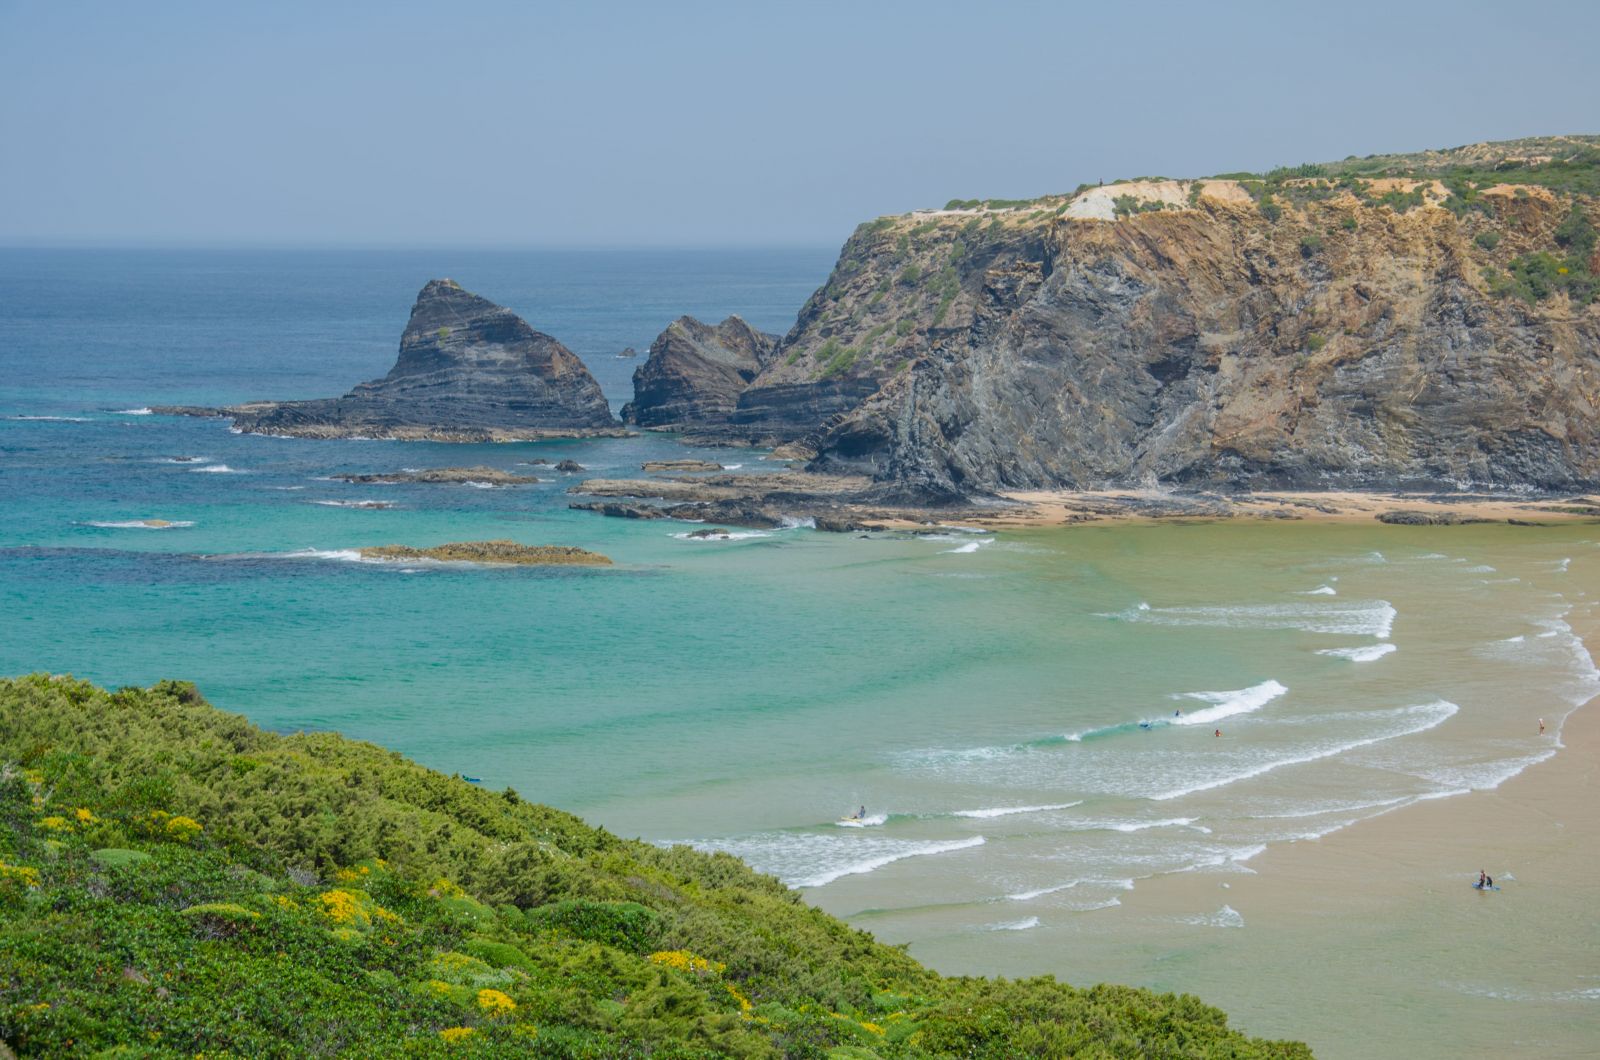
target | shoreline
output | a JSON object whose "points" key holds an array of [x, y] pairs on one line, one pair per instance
{"points": [[1406, 871], [1052, 508]]}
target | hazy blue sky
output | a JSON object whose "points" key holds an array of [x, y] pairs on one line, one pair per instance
{"points": [[712, 123]]}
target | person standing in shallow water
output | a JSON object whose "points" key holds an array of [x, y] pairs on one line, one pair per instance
{"points": [[1217, 733]]}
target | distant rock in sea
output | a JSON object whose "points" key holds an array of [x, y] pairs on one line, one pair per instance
{"points": [[696, 372], [500, 552], [448, 475], [468, 370], [628, 352]]}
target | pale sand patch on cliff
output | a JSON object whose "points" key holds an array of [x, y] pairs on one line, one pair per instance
{"points": [[1057, 507]]}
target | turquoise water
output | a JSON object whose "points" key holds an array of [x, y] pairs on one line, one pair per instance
{"points": [[1028, 718]]}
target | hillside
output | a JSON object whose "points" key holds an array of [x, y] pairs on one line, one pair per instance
{"points": [[176, 882], [1390, 322]]}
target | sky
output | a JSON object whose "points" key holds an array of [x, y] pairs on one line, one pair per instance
{"points": [[716, 124]]}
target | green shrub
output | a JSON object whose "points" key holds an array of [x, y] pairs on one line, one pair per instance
{"points": [[1349, 224], [1487, 240], [1310, 245]]}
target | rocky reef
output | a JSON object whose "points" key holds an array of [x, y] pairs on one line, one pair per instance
{"points": [[696, 372], [1395, 322], [468, 370], [443, 475], [495, 552]]}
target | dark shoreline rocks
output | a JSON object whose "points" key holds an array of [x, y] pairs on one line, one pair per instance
{"points": [[443, 475], [696, 372]]}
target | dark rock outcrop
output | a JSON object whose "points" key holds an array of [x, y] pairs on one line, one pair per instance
{"points": [[696, 372], [468, 370]]}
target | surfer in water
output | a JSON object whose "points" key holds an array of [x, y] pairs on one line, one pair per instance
{"points": [[1483, 878], [860, 814]]}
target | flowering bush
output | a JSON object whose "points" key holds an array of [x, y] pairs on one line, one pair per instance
{"points": [[457, 1034], [495, 1003], [684, 961]]}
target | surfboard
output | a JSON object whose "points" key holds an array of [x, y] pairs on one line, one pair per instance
{"points": [[1481, 887]]}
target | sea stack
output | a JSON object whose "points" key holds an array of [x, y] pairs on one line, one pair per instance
{"points": [[696, 372], [468, 370]]}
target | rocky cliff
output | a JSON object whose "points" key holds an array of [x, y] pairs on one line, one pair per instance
{"points": [[696, 372], [468, 369], [1387, 322]]}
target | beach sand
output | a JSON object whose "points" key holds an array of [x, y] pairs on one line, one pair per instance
{"points": [[1376, 918], [1039, 508]]}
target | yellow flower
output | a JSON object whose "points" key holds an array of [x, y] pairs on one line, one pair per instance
{"points": [[684, 961], [439, 987], [83, 816], [183, 829], [744, 1002], [456, 1034], [55, 824], [342, 907], [874, 1028], [21, 873], [443, 888], [284, 901], [495, 1003]]}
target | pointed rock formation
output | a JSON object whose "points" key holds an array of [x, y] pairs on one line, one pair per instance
{"points": [[468, 370], [696, 373]]}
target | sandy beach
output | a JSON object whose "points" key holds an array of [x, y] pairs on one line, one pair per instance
{"points": [[1390, 900], [1040, 508]]}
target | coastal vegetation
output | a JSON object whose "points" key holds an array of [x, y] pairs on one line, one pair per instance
{"points": [[175, 882]]}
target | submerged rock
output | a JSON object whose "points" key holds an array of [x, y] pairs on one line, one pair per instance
{"points": [[468, 370], [696, 373], [679, 465], [504, 552], [489, 475], [571, 467]]}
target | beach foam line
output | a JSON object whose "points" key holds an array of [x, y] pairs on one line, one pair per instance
{"points": [[1007, 811], [51, 419], [217, 469], [1014, 925], [1371, 618], [873, 864], [1229, 704], [1437, 713], [1121, 884], [1366, 653], [367, 505], [970, 546], [1226, 917], [1321, 590]]}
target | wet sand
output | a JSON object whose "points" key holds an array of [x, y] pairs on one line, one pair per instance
{"points": [[1348, 936], [1063, 507]]}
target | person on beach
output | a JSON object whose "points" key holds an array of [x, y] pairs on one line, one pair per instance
{"points": [[1541, 726]]}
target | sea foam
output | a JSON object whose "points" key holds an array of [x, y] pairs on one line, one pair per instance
{"points": [[1365, 653], [1229, 704]]}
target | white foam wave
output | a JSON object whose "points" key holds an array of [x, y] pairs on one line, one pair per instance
{"points": [[730, 535], [134, 412], [217, 469], [1435, 714], [871, 820], [1027, 896], [1014, 925], [1365, 653], [1007, 811], [791, 523], [141, 524], [1321, 590], [348, 555], [1373, 618], [970, 546], [369, 505], [184, 460], [482, 485], [1229, 704], [51, 419], [873, 864], [1226, 917]]}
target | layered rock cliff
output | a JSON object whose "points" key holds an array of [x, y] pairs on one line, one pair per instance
{"points": [[467, 369], [696, 372], [1325, 327]]}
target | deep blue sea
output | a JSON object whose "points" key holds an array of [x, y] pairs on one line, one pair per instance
{"points": [[1028, 717]]}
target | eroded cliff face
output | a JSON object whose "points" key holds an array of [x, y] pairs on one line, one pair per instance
{"points": [[466, 365], [1380, 335], [696, 372]]}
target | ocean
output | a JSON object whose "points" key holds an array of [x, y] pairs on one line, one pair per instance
{"points": [[1038, 724]]}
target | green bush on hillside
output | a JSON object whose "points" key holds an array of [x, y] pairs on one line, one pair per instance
{"points": [[175, 881]]}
